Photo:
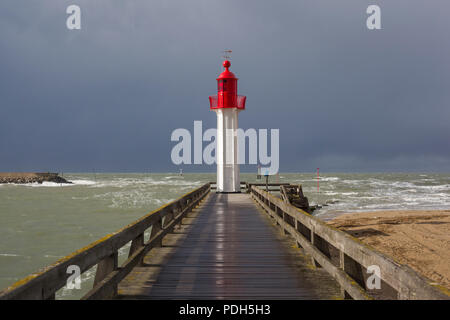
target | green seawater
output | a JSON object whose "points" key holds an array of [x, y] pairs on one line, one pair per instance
{"points": [[40, 224]]}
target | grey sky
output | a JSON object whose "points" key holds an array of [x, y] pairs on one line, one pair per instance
{"points": [[107, 97]]}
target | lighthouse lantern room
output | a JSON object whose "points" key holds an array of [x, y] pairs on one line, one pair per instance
{"points": [[227, 104]]}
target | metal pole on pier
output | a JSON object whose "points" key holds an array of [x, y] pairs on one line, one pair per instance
{"points": [[317, 179]]}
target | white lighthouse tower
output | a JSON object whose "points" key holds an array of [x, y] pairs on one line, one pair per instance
{"points": [[227, 104]]}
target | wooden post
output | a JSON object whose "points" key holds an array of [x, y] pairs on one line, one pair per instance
{"points": [[105, 267], [157, 227], [353, 269], [313, 242], [296, 230], [285, 232], [136, 244], [275, 214], [179, 209], [344, 293]]}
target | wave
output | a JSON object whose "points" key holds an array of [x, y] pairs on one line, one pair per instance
{"points": [[349, 193], [174, 177], [326, 179], [119, 182], [53, 184], [83, 182], [148, 181], [331, 193]]}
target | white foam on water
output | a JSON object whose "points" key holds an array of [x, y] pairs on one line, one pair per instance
{"points": [[83, 182], [403, 184], [46, 184], [81, 198], [9, 255], [435, 188], [145, 181], [50, 184], [372, 193], [349, 193], [328, 178], [353, 182], [174, 177]]}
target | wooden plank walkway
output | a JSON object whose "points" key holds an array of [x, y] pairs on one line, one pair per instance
{"points": [[227, 249]]}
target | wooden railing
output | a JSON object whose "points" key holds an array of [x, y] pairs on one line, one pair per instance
{"points": [[345, 257], [247, 185], [214, 185], [104, 254]]}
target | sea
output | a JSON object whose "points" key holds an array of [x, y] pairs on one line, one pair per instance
{"points": [[41, 223]]}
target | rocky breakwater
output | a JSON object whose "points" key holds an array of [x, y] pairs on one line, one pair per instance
{"points": [[30, 177]]}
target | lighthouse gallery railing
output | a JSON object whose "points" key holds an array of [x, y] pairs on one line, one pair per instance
{"points": [[240, 101]]}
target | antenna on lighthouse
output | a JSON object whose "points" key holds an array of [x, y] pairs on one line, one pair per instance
{"points": [[226, 55]]}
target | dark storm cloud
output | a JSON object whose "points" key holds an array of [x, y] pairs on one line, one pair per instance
{"points": [[107, 97]]}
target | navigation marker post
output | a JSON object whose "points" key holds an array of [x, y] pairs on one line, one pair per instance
{"points": [[317, 179]]}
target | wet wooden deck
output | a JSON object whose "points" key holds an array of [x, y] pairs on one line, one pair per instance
{"points": [[227, 249]]}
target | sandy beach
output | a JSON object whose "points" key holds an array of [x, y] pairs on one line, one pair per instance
{"points": [[419, 238]]}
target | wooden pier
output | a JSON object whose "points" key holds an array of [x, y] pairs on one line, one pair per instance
{"points": [[251, 245], [227, 249]]}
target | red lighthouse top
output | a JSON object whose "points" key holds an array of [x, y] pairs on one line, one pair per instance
{"points": [[227, 96], [227, 74]]}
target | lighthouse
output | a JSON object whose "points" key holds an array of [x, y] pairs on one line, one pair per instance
{"points": [[227, 104]]}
